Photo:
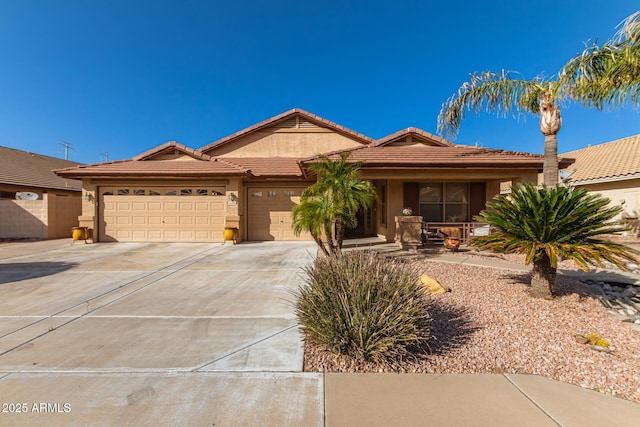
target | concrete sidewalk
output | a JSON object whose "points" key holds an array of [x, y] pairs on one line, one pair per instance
{"points": [[457, 400]]}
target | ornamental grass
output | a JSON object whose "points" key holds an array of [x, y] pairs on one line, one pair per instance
{"points": [[364, 306]]}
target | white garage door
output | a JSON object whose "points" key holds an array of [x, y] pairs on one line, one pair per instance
{"points": [[162, 214], [269, 213]]}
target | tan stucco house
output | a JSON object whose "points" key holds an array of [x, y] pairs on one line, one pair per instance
{"points": [[34, 202], [611, 169], [252, 179]]}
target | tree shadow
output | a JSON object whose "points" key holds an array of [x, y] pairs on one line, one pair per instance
{"points": [[18, 271], [522, 278], [573, 284], [450, 328]]}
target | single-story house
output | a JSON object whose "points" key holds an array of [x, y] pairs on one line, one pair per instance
{"points": [[611, 169], [251, 180], [35, 203]]}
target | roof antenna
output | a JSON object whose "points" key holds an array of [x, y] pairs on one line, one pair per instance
{"points": [[66, 146], [105, 155]]}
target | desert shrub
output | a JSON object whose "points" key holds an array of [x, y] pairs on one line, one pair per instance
{"points": [[364, 306]]}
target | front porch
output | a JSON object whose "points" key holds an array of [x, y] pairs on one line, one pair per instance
{"points": [[437, 232], [412, 231]]}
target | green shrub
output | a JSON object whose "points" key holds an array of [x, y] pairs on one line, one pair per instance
{"points": [[364, 306]]}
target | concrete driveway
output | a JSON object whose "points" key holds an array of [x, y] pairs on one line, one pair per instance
{"points": [[153, 334]]}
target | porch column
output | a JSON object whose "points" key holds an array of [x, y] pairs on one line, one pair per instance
{"points": [[408, 232]]}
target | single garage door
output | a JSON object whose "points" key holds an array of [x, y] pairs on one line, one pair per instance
{"points": [[269, 213], [162, 214]]}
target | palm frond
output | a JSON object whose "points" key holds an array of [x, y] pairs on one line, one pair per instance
{"points": [[490, 92], [607, 76], [629, 29]]}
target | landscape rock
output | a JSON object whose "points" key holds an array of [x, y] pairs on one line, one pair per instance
{"points": [[600, 348], [432, 286]]}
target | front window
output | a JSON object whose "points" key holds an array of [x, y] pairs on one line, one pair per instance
{"points": [[444, 202]]}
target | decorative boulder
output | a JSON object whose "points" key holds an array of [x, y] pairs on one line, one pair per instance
{"points": [[432, 286]]}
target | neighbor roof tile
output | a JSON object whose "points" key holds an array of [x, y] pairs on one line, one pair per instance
{"points": [[19, 167], [613, 160]]}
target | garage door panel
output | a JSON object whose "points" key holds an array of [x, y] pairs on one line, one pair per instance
{"points": [[202, 220], [185, 220], [123, 220], [154, 235], [162, 215], [202, 235], [171, 234], [154, 220], [170, 220], [140, 234], [139, 220]]}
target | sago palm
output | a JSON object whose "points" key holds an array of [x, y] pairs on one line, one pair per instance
{"points": [[550, 224], [333, 201]]}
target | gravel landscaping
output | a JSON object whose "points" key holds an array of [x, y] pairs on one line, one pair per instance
{"points": [[488, 323]]}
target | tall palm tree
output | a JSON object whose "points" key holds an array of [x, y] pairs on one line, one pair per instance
{"points": [[608, 75], [332, 202], [553, 223], [504, 94], [600, 77]]}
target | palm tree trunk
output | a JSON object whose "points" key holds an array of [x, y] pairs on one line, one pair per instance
{"points": [[550, 124], [550, 165], [339, 232], [543, 278], [320, 244]]}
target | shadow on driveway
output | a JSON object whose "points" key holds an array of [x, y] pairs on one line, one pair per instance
{"points": [[17, 271]]}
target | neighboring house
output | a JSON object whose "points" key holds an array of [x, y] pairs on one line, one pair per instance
{"points": [[252, 179], [56, 202], [611, 169]]}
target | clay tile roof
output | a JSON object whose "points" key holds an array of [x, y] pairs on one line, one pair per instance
{"points": [[271, 167], [19, 167], [435, 139], [155, 168], [610, 161], [172, 146], [295, 111], [440, 156]]}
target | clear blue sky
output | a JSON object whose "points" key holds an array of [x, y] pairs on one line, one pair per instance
{"points": [[125, 76]]}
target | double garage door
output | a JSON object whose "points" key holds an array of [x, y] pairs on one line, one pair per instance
{"points": [[162, 214]]}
